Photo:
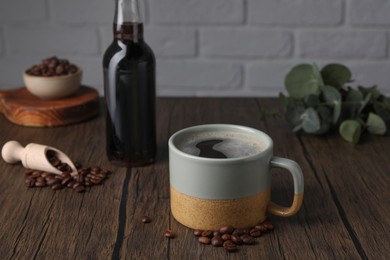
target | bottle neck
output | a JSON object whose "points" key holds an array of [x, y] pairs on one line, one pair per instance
{"points": [[128, 24]]}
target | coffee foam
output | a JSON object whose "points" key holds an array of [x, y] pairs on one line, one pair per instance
{"points": [[234, 145]]}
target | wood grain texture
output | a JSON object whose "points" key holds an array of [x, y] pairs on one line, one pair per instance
{"points": [[345, 213], [22, 108]]}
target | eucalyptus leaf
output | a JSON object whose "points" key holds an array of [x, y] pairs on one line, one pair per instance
{"points": [[310, 121], [350, 130], [353, 102], [311, 101], [375, 124], [330, 94], [370, 90], [326, 117], [303, 80], [333, 96], [336, 75], [336, 111], [294, 114], [364, 103], [354, 96], [382, 109]]}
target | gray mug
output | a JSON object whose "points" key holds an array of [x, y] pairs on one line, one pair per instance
{"points": [[207, 193]]}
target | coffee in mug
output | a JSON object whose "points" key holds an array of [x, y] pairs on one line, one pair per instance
{"points": [[220, 176]]}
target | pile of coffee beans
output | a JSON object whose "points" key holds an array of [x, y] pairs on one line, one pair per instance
{"points": [[86, 176], [230, 238], [51, 67]]}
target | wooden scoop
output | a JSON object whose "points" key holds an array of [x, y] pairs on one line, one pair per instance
{"points": [[23, 108], [34, 156]]}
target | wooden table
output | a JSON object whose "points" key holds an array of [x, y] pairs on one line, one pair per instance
{"points": [[345, 214]]}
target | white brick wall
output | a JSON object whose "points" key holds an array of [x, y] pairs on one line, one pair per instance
{"points": [[203, 47]]}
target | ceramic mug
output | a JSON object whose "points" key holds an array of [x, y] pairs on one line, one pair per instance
{"points": [[207, 193]]}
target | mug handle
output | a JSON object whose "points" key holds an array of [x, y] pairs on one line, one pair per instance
{"points": [[296, 172]]}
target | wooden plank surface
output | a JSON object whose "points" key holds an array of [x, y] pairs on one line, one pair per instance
{"points": [[345, 213]]}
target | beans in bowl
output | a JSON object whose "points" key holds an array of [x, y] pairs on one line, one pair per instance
{"points": [[52, 66]]}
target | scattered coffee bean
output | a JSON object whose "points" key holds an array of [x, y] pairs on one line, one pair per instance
{"points": [[268, 225], [247, 239], [230, 238], [36, 174], [40, 184], [169, 234], [207, 233], [261, 227], [198, 232], [230, 246], [236, 239], [80, 189], [255, 232], [46, 174], [28, 172], [146, 219], [217, 241], [52, 181], [226, 237], [66, 180], [226, 230], [57, 186], [30, 182], [35, 178], [204, 240], [216, 234]]}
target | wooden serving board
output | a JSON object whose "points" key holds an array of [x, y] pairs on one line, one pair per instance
{"points": [[21, 107]]}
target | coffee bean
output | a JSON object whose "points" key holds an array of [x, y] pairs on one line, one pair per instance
{"points": [[230, 246], [36, 174], [65, 181], [30, 182], [28, 172], [70, 184], [204, 240], [80, 189], [52, 181], [57, 186], [226, 230], [216, 234], [261, 227], [217, 241], [87, 183], [77, 165], [96, 169], [238, 232], [198, 232], [247, 239], [169, 234], [46, 174], [146, 219], [236, 239], [255, 232], [52, 66], [40, 184], [268, 225], [226, 237], [76, 184], [207, 233], [96, 181]]}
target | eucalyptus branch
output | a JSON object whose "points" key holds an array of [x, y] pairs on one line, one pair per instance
{"points": [[320, 100]]}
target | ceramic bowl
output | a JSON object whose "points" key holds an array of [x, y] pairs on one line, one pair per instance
{"points": [[53, 87]]}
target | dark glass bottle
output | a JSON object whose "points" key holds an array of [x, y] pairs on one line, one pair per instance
{"points": [[130, 90]]}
